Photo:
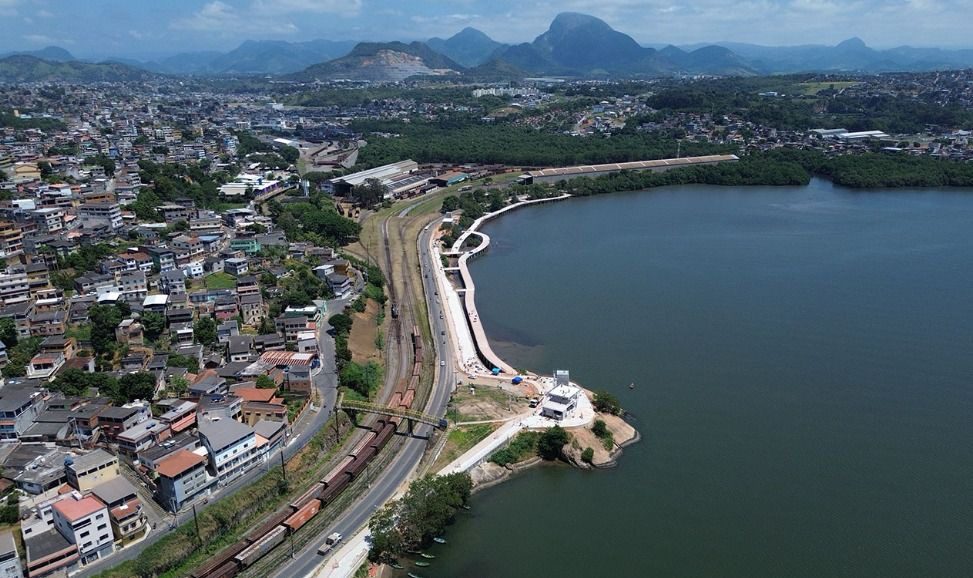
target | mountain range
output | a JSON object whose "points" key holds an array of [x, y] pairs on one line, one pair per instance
{"points": [[575, 45]]}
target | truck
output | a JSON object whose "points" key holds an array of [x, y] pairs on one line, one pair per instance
{"points": [[329, 543]]}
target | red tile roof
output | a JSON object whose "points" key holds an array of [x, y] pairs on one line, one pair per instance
{"points": [[178, 462], [73, 509]]}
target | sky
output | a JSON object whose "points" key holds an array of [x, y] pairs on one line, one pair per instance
{"points": [[146, 28]]}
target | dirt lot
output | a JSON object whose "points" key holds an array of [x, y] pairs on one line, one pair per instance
{"points": [[585, 438], [485, 404], [361, 342]]}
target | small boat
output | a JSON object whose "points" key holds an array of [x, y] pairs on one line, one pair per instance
{"points": [[439, 540], [422, 564], [631, 385], [465, 507], [411, 575], [397, 566], [426, 556]]}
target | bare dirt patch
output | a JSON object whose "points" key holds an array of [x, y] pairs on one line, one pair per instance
{"points": [[483, 403], [362, 341]]}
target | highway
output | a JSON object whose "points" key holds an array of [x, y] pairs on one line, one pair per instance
{"points": [[306, 561]]}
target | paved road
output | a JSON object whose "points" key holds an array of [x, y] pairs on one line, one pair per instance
{"points": [[326, 383], [307, 560]]}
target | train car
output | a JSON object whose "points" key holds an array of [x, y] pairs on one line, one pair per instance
{"points": [[413, 383], [334, 488], [255, 551], [396, 399], [269, 525], [417, 368], [358, 467], [365, 441], [301, 517], [220, 559], [227, 570], [383, 437], [333, 474], [408, 398], [307, 496]]}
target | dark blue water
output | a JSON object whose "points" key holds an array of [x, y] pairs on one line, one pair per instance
{"points": [[803, 359]]}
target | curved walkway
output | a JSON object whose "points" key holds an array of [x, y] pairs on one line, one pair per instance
{"points": [[469, 293]]}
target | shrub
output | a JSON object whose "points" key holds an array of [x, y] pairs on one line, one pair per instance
{"points": [[587, 455]]}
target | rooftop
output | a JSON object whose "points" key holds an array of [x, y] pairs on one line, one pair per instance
{"points": [[179, 462], [72, 508]]}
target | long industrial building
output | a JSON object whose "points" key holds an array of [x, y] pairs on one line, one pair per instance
{"points": [[388, 175], [565, 173]]}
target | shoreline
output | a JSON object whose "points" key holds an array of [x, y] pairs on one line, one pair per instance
{"points": [[476, 459]]}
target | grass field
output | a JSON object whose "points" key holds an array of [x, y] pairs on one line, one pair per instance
{"points": [[812, 88], [220, 281], [459, 440]]}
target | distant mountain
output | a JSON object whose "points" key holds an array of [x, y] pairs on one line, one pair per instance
{"points": [[24, 68], [255, 57], [852, 55], [468, 47], [52, 53], [382, 61], [582, 45]]}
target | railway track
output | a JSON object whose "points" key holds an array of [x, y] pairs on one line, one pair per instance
{"points": [[405, 379]]}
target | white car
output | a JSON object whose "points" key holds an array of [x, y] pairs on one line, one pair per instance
{"points": [[442, 363]]}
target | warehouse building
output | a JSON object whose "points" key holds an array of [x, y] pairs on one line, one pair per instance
{"points": [[566, 173]]}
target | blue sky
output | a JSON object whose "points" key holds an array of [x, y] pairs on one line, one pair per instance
{"points": [[141, 28]]}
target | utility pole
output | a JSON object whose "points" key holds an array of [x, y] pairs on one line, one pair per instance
{"points": [[283, 470], [196, 520]]}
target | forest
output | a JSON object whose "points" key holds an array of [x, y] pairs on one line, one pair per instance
{"points": [[455, 141]]}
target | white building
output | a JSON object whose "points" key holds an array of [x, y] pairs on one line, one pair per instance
{"points": [[560, 401], [84, 521], [232, 447]]}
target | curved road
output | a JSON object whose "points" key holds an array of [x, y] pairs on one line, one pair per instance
{"points": [[403, 465]]}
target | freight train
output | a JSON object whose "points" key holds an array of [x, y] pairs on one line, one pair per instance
{"points": [[241, 555]]}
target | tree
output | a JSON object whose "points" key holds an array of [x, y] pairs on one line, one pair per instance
{"points": [[266, 326], [134, 386], [190, 363], [76, 382], [599, 428], [550, 443], [153, 323], [104, 319], [8, 332], [606, 403], [588, 455], [265, 382], [20, 356], [341, 323], [369, 193], [205, 330]]}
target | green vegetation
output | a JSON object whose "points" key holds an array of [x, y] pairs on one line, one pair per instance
{"points": [[260, 152], [600, 429], [551, 441], [265, 382], [205, 330], [468, 140], [7, 119], [588, 455], [364, 379], [316, 221], [8, 331], [10, 512], [423, 513], [20, 355], [190, 363], [103, 320], [128, 388], [520, 448], [220, 281], [103, 161], [606, 403], [173, 181]]}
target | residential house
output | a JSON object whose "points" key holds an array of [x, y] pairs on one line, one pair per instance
{"points": [[87, 471], [19, 407], [172, 281], [236, 266], [44, 366], [141, 436], [181, 477], [83, 521], [9, 559], [232, 447], [252, 309], [125, 511]]}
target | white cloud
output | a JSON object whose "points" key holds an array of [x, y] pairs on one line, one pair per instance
{"points": [[45, 14], [220, 17], [39, 39]]}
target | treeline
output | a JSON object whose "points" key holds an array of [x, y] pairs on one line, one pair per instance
{"points": [[174, 181], [341, 97], [459, 141], [316, 221], [880, 170], [752, 170]]}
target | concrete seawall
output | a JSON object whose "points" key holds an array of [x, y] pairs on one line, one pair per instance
{"points": [[469, 287]]}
